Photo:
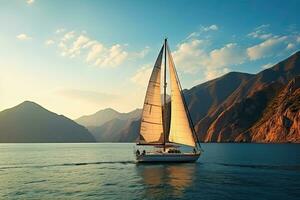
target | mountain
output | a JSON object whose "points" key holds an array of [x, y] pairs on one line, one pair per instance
{"points": [[101, 117], [109, 125], [238, 107], [280, 121], [29, 122], [205, 101], [117, 130], [246, 105]]}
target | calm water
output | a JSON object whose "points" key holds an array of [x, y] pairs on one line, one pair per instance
{"points": [[108, 171]]}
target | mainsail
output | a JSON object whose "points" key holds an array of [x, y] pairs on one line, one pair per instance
{"points": [[151, 131], [180, 130]]}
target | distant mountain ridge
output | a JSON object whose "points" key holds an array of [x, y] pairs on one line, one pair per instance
{"points": [[29, 122], [109, 125], [102, 116]]}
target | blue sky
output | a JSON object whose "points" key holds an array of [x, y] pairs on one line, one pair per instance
{"points": [[76, 57]]}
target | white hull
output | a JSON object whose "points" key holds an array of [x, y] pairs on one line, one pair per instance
{"points": [[167, 157]]}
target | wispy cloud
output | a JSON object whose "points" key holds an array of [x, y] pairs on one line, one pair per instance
{"points": [[211, 28], [29, 1], [260, 32], [290, 46], [72, 44], [23, 36], [202, 29], [272, 44], [268, 65], [267, 48]]}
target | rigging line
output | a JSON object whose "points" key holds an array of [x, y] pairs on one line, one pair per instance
{"points": [[184, 102], [151, 104], [151, 122], [165, 90], [153, 82], [150, 144]]}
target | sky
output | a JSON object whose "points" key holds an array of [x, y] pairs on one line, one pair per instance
{"points": [[75, 57]]}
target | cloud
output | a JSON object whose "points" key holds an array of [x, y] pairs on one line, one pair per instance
{"points": [[192, 57], [69, 35], [290, 46], [49, 42], [95, 51], [189, 55], [211, 28], [142, 75], [260, 32], [219, 60], [115, 57], [78, 45], [214, 73], [202, 29], [23, 36], [267, 47], [29, 1], [88, 96], [268, 65], [60, 30], [272, 45], [230, 54]]}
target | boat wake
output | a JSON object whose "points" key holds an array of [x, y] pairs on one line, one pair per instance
{"points": [[66, 164]]}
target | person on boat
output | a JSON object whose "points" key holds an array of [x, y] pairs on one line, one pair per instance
{"points": [[137, 152], [144, 152], [194, 150]]}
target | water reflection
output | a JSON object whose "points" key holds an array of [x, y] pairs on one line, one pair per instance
{"points": [[168, 180]]}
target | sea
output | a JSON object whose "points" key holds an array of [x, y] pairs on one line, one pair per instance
{"points": [[109, 171]]}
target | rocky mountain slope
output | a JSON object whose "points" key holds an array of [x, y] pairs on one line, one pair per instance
{"points": [[246, 105], [280, 121]]}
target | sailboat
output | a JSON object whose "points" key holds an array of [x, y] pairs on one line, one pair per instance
{"points": [[154, 130]]}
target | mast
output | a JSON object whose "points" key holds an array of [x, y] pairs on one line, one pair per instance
{"points": [[165, 96]]}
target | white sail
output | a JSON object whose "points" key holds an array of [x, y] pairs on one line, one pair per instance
{"points": [[180, 130], [151, 131]]}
